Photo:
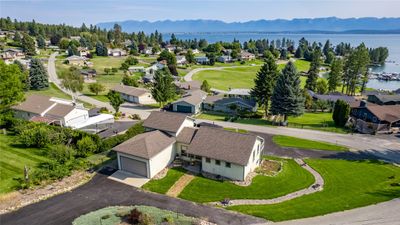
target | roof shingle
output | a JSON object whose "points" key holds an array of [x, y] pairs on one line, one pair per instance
{"points": [[165, 121]]}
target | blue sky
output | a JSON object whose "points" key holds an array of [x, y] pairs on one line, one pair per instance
{"points": [[75, 12]]}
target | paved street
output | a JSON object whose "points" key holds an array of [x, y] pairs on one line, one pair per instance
{"points": [[383, 213]]}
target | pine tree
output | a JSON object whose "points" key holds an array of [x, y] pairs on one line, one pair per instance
{"points": [[265, 83], [287, 98], [341, 113], [38, 77], [163, 89], [205, 86], [313, 72], [41, 42], [28, 45], [336, 74]]}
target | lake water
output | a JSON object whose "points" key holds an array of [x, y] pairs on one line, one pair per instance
{"points": [[391, 41]]}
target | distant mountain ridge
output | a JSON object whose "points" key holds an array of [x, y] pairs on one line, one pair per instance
{"points": [[329, 24]]}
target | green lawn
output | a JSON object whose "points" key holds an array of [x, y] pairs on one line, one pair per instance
{"points": [[316, 121], [292, 178], [13, 159], [163, 185], [240, 77], [287, 141], [53, 91], [348, 184]]}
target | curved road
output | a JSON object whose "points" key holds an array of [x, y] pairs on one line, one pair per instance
{"points": [[125, 108]]}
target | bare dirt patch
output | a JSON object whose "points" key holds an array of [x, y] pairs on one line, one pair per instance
{"points": [[17, 199]]}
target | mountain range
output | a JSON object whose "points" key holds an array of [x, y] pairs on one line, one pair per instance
{"points": [[323, 25]]}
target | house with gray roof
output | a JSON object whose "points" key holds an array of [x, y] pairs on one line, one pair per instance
{"points": [[219, 103], [190, 103], [134, 94], [382, 99], [169, 135]]}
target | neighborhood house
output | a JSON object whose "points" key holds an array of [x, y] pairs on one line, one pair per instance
{"points": [[116, 52], [169, 135], [75, 60], [134, 94], [220, 103], [190, 103], [62, 112], [12, 54]]}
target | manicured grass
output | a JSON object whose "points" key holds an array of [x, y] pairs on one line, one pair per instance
{"points": [[286, 141], [53, 91], [13, 159], [114, 215], [240, 77], [163, 185], [316, 121], [348, 184], [292, 178]]}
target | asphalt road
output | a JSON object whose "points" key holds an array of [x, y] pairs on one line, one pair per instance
{"points": [[101, 192]]}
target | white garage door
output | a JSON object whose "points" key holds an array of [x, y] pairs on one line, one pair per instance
{"points": [[133, 166]]}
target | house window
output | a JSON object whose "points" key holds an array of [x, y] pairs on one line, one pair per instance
{"points": [[217, 162], [228, 164], [183, 147], [183, 152], [208, 160], [197, 157]]}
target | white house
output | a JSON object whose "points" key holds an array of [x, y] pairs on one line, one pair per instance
{"points": [[116, 52], [202, 59], [214, 150], [180, 60], [50, 110], [134, 94]]}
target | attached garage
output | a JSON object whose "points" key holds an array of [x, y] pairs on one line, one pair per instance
{"points": [[146, 154], [133, 166], [184, 109]]}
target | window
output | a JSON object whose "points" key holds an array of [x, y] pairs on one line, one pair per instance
{"points": [[228, 164], [184, 147], [254, 156], [197, 157], [208, 160], [217, 162]]}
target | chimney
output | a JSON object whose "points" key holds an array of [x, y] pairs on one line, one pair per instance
{"points": [[363, 103]]}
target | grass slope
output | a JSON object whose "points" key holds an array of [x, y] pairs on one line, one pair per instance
{"points": [[13, 159], [292, 178], [240, 77], [348, 184], [163, 185], [287, 141]]}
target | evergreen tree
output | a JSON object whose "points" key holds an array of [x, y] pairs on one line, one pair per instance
{"points": [[356, 69], [28, 45], [173, 39], [327, 48], [73, 50], [205, 86], [265, 83], [17, 37], [163, 89], [287, 98], [101, 50], [41, 42], [115, 100], [38, 77], [171, 61], [341, 113], [313, 72], [299, 53], [335, 75]]}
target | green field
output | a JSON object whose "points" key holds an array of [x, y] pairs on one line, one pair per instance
{"points": [[239, 77], [290, 179], [348, 184], [163, 185], [13, 159], [287, 141]]}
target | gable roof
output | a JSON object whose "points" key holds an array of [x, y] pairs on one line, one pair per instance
{"points": [[219, 99], [388, 98], [189, 85], [129, 90], [60, 110], [194, 98], [34, 104], [390, 113], [165, 121], [223, 145], [186, 135], [145, 145]]}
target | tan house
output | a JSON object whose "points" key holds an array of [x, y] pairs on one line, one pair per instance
{"points": [[190, 103], [117, 52], [75, 60], [212, 150], [134, 94], [246, 56], [12, 54]]}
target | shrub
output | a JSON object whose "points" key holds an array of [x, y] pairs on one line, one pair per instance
{"points": [[118, 139], [134, 216], [61, 153], [35, 137], [135, 117], [86, 146], [114, 70], [169, 219]]}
